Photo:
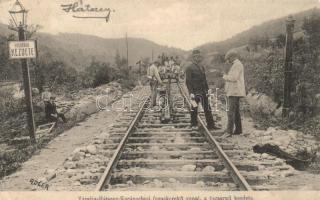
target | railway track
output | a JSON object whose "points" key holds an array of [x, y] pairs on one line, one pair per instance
{"points": [[159, 155]]}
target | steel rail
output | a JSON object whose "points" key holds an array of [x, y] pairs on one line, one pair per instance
{"points": [[106, 176], [234, 172]]}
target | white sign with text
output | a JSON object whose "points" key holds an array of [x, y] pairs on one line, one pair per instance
{"points": [[22, 49]]}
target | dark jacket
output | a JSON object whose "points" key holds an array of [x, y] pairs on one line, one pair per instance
{"points": [[50, 109], [196, 80]]}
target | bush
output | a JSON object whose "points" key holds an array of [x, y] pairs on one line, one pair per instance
{"points": [[9, 106], [265, 73]]}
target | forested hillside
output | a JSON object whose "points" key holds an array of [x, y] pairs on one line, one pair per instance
{"points": [[77, 60], [270, 29], [262, 52]]}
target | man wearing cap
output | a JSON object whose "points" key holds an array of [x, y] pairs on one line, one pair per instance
{"points": [[154, 79], [235, 89], [46, 94], [198, 89], [176, 70], [171, 62]]}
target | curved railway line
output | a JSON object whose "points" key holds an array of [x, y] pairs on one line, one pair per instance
{"points": [[150, 151]]}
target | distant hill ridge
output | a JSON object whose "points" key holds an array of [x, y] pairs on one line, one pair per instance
{"points": [[270, 28], [78, 50]]}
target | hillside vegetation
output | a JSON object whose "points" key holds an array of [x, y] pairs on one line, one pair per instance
{"points": [[78, 50], [262, 53], [269, 29], [74, 61]]}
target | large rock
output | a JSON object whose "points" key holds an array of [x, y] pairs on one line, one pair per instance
{"points": [[90, 100], [172, 180], [35, 91], [50, 174], [130, 183], [77, 156], [69, 165], [208, 169], [188, 168], [79, 149], [278, 112], [293, 134], [92, 149], [157, 183], [195, 149], [200, 184], [70, 173], [76, 183], [87, 181]]}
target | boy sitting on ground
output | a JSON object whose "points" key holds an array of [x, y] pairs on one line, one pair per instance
{"points": [[52, 115]]}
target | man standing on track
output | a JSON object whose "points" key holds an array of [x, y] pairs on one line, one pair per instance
{"points": [[155, 80], [235, 89], [198, 89], [171, 62], [176, 70]]}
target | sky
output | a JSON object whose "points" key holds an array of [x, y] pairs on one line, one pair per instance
{"points": [[184, 24]]}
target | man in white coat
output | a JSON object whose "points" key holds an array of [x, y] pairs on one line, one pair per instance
{"points": [[235, 89]]}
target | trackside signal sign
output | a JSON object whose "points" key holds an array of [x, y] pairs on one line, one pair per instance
{"points": [[22, 49]]}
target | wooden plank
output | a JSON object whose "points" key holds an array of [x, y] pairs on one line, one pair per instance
{"points": [[45, 128]]}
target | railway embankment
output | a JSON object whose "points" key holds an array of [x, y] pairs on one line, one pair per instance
{"points": [[77, 106]]}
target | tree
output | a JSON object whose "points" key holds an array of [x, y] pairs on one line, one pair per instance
{"points": [[311, 29], [281, 40], [9, 69], [265, 41], [145, 64], [32, 29], [121, 64], [97, 74], [253, 42]]}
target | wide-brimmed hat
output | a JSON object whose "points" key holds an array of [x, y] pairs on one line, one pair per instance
{"points": [[232, 54]]}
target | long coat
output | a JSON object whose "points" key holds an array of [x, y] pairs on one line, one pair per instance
{"points": [[235, 85], [196, 80]]}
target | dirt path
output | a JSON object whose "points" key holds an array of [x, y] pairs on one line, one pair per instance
{"points": [[54, 154]]}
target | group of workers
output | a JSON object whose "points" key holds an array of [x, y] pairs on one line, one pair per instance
{"points": [[163, 68], [196, 82], [198, 88]]}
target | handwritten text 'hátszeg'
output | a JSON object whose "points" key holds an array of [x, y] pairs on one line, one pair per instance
{"points": [[87, 11]]}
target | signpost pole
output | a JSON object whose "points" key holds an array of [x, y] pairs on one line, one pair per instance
{"points": [[140, 70], [152, 56], [127, 46], [288, 68], [27, 90]]}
